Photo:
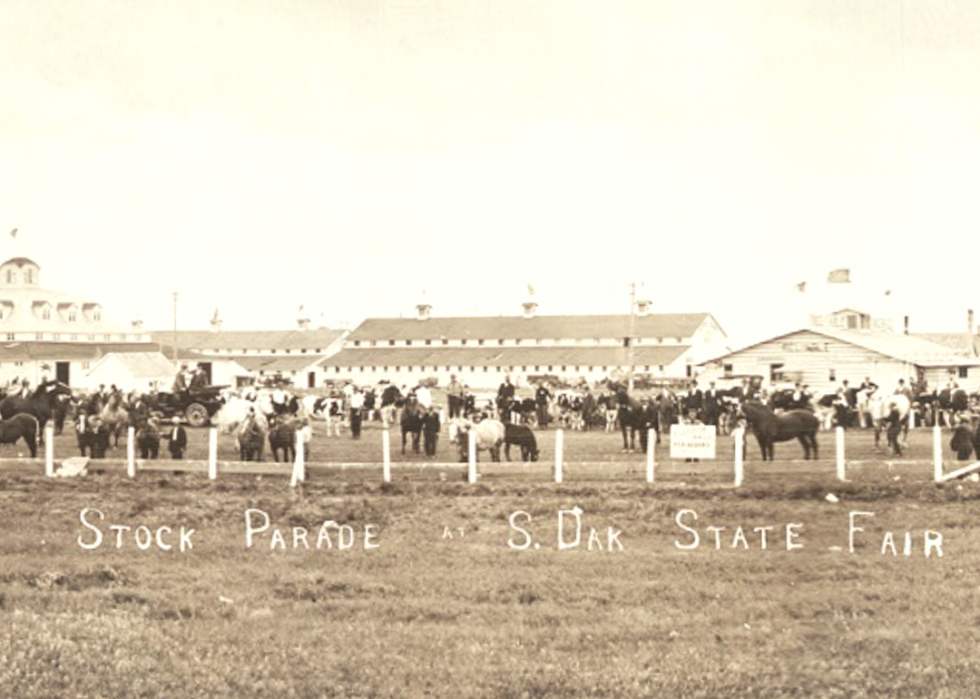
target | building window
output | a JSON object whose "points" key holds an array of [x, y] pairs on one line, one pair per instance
{"points": [[428, 342], [391, 343], [661, 367], [833, 375], [486, 369], [10, 336], [538, 341], [273, 351], [961, 372], [336, 369], [479, 342], [357, 343], [74, 338], [10, 276], [72, 315], [39, 336], [517, 341], [689, 370], [56, 337], [46, 313], [463, 341], [85, 365], [500, 342], [445, 341], [408, 343], [97, 315], [729, 369], [29, 276]]}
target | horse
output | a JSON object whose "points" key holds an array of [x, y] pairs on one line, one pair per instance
{"points": [[523, 437], [411, 423], [770, 428], [41, 403], [251, 437], [115, 417], [21, 426], [629, 410], [489, 435], [282, 437], [893, 410]]}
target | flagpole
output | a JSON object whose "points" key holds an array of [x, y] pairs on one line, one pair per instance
{"points": [[629, 337]]}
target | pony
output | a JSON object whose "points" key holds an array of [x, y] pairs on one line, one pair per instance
{"points": [[770, 428], [411, 423], [115, 417], [41, 404], [251, 437], [489, 433], [21, 426], [523, 437]]}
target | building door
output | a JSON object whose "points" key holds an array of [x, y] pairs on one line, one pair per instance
{"points": [[206, 367], [62, 372], [311, 379]]}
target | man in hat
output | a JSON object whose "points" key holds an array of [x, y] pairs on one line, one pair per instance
{"points": [[177, 439]]}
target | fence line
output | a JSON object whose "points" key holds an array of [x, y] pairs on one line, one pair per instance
{"points": [[298, 469]]}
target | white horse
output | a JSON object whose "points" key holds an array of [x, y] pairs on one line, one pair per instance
{"points": [[883, 408], [489, 435]]}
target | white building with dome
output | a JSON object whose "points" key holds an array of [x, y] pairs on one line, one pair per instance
{"points": [[31, 313]]}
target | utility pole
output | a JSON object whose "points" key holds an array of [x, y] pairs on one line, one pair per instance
{"points": [[176, 364], [630, 338]]}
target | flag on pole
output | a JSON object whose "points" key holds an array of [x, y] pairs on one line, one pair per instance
{"points": [[530, 290], [801, 287], [839, 276]]}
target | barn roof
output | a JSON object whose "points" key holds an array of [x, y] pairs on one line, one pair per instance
{"points": [[907, 348], [966, 344], [682, 325], [278, 364], [504, 356], [211, 340], [67, 351]]}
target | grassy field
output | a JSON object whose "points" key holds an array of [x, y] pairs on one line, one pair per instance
{"points": [[429, 586]]}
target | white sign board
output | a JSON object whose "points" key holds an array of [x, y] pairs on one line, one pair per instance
{"points": [[692, 441]]}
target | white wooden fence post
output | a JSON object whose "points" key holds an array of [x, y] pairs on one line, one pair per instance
{"points": [[937, 452], [841, 472], [300, 456], [739, 435], [131, 452], [471, 470], [213, 453], [386, 455], [651, 443], [49, 450], [559, 449]]}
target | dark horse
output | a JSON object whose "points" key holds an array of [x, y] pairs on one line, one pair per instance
{"points": [[770, 428], [41, 404], [21, 426], [630, 418], [411, 422], [282, 437]]}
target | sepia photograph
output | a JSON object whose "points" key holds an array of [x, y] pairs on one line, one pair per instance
{"points": [[513, 349]]}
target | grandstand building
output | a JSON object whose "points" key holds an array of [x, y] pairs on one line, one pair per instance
{"points": [[481, 351]]}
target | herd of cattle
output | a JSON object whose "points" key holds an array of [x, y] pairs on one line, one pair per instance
{"points": [[278, 419]]}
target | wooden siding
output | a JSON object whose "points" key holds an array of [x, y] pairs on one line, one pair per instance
{"points": [[811, 358]]}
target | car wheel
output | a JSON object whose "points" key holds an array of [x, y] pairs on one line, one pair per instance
{"points": [[196, 414]]}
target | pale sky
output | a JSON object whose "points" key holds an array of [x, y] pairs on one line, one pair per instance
{"points": [[256, 156]]}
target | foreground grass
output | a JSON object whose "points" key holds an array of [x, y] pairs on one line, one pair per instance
{"points": [[468, 616]]}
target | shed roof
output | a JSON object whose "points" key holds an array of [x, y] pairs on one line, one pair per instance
{"points": [[279, 364], [138, 364]]}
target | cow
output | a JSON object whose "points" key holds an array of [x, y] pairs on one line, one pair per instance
{"points": [[489, 436]]}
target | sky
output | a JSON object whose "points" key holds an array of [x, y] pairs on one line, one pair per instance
{"points": [[355, 157]]}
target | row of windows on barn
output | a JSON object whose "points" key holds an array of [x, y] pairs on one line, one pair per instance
{"points": [[73, 337], [514, 342], [497, 369]]}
